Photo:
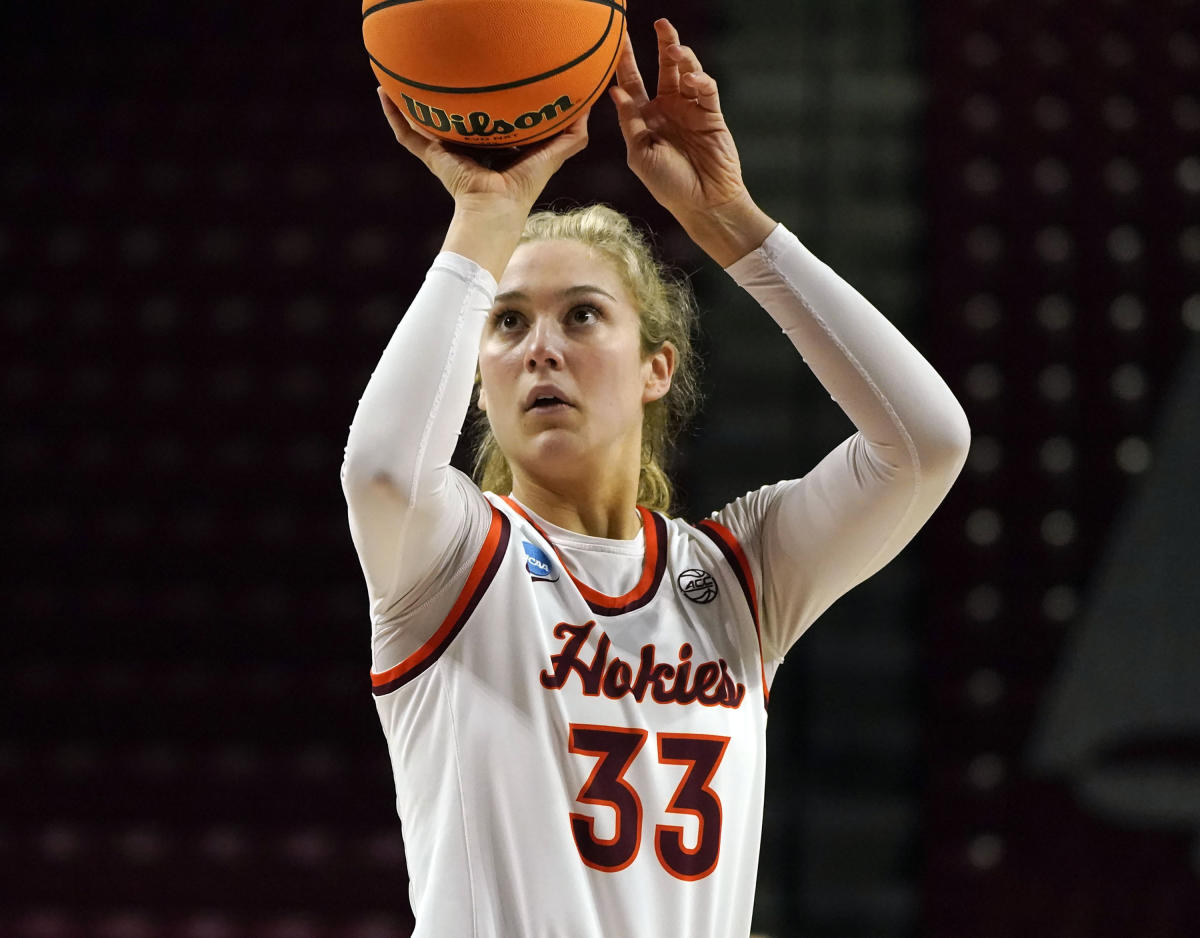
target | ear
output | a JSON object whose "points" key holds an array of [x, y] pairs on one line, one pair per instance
{"points": [[659, 368], [481, 400]]}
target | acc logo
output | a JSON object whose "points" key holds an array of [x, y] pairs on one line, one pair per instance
{"points": [[538, 564], [698, 586]]}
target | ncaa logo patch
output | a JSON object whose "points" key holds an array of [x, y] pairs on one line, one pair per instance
{"points": [[538, 564], [698, 586]]}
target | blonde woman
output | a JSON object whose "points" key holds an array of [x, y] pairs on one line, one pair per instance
{"points": [[573, 684]]}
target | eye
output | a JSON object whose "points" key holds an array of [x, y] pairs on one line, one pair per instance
{"points": [[506, 320], [582, 315]]}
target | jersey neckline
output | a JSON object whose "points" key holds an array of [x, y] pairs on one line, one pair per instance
{"points": [[654, 563]]}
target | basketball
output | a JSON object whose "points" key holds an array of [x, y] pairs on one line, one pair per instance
{"points": [[493, 73]]}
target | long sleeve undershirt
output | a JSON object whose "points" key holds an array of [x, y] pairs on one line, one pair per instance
{"points": [[417, 522]]}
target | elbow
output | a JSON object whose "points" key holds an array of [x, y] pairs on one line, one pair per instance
{"points": [[364, 479], [947, 446], [369, 460]]}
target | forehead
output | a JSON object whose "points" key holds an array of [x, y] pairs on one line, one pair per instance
{"points": [[552, 267]]}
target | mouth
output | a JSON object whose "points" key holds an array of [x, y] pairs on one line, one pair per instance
{"points": [[546, 399], [545, 404]]}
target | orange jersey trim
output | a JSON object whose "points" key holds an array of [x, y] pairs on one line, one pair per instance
{"points": [[732, 550], [653, 565], [478, 580]]}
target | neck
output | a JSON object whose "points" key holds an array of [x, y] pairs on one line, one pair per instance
{"points": [[604, 508]]}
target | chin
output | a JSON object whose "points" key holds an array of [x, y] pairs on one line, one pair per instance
{"points": [[551, 454], [553, 449]]}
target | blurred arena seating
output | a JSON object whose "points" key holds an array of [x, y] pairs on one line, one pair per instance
{"points": [[1064, 189]]}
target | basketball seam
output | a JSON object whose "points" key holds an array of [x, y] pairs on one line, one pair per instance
{"points": [[393, 3], [541, 135], [484, 89]]}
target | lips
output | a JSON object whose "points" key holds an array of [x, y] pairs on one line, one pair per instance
{"points": [[546, 396]]}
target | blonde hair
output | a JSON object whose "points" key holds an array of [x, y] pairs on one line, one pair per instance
{"points": [[667, 313]]}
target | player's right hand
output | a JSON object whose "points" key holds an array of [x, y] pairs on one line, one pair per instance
{"points": [[518, 183]]}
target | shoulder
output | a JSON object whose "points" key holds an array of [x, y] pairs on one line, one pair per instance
{"points": [[736, 530], [746, 516], [739, 530]]}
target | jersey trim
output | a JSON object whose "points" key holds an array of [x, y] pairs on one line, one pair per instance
{"points": [[478, 580], [654, 563], [736, 557]]}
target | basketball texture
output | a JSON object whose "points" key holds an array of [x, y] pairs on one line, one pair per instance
{"points": [[493, 73]]}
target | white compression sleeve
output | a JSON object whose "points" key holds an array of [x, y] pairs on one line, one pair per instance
{"points": [[820, 535], [407, 505]]}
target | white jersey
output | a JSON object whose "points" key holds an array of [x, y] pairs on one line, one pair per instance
{"points": [[584, 765]]}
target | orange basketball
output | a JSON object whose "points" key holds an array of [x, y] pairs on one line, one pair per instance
{"points": [[493, 73]]}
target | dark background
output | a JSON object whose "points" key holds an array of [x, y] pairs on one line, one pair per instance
{"points": [[207, 235]]}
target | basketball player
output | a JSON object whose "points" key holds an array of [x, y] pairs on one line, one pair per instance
{"points": [[573, 685]]}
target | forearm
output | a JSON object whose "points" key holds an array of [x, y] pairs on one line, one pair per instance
{"points": [[885, 386], [415, 402], [409, 416]]}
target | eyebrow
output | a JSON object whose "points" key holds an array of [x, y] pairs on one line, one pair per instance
{"points": [[510, 295]]}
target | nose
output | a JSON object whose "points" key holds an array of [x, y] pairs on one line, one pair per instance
{"points": [[543, 346]]}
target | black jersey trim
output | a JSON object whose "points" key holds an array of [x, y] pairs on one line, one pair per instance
{"points": [[732, 551], [660, 566]]}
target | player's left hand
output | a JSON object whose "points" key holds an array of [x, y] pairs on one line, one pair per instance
{"points": [[678, 143]]}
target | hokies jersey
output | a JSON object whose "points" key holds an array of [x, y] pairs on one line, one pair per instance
{"points": [[570, 764]]}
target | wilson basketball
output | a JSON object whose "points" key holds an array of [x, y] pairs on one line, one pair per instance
{"points": [[493, 73]]}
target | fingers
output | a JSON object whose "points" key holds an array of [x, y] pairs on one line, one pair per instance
{"points": [[628, 76], [701, 88], [668, 66], [680, 71], [554, 151], [416, 143], [572, 140], [629, 117]]}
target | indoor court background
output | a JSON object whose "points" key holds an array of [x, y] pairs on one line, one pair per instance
{"points": [[207, 235]]}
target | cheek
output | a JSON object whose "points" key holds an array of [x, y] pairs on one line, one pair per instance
{"points": [[492, 379], [620, 382], [488, 361]]}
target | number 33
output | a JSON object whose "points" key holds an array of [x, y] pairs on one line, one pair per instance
{"points": [[615, 748]]}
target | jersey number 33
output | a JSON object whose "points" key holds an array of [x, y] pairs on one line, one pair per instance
{"points": [[614, 748]]}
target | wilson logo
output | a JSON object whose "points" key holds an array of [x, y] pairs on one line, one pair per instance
{"points": [[481, 123]]}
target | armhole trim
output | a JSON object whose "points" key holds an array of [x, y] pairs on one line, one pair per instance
{"points": [[736, 558], [478, 580]]}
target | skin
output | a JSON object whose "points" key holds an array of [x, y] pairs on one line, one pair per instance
{"points": [[564, 316], [580, 470]]}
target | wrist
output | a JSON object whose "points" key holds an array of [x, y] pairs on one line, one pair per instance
{"points": [[502, 208], [728, 232], [486, 230]]}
